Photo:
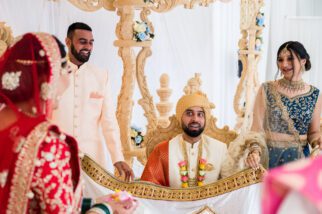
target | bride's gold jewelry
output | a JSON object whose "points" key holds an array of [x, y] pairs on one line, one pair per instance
{"points": [[292, 86], [29, 62]]}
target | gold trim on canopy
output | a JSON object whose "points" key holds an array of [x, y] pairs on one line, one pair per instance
{"points": [[156, 5], [93, 5], [151, 191]]}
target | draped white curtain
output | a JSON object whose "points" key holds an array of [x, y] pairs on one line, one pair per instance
{"points": [[299, 20]]}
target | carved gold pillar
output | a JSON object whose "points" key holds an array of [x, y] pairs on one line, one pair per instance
{"points": [[133, 69], [249, 57], [147, 100], [124, 33]]}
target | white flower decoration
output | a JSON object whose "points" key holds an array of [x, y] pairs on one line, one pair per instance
{"points": [[11, 80], [3, 178], [42, 53], [139, 27], [142, 32], [45, 91]]}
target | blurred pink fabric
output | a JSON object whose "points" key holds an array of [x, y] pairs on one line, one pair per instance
{"points": [[304, 177]]}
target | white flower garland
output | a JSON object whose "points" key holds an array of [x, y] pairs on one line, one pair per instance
{"points": [[11, 80]]}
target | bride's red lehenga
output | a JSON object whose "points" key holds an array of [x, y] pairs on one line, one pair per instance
{"points": [[39, 165]]}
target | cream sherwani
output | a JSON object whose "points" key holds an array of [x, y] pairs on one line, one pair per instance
{"points": [[86, 109], [162, 167], [213, 151]]}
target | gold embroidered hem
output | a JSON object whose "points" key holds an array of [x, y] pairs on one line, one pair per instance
{"points": [[151, 191], [22, 176]]}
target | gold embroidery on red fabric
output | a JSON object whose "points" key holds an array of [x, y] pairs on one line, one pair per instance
{"points": [[18, 200], [52, 51], [27, 157], [53, 189], [24, 178], [3, 178]]}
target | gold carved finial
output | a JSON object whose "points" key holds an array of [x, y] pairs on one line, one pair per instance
{"points": [[164, 106], [193, 84], [6, 37]]}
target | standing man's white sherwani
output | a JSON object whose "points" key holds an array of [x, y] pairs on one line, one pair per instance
{"points": [[86, 111]]}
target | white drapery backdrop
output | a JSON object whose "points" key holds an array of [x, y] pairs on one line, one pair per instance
{"points": [[299, 20], [202, 40]]}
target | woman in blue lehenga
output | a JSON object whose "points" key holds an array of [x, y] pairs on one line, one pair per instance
{"points": [[286, 113]]}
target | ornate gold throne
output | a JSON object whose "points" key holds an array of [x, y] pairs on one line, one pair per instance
{"points": [[161, 133], [166, 131], [168, 126]]}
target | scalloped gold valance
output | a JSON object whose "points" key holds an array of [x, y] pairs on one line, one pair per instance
{"points": [[155, 5], [151, 191], [93, 5]]}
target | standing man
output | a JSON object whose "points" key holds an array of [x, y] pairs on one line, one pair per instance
{"points": [[86, 108], [191, 158]]}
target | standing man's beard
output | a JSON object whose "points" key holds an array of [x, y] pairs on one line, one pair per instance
{"points": [[192, 133], [80, 57]]}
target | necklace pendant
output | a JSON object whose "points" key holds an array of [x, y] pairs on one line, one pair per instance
{"points": [[192, 182]]}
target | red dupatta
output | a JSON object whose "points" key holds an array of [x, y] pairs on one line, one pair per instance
{"points": [[28, 69]]}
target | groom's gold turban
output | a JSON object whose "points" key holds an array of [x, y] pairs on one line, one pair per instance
{"points": [[195, 99]]}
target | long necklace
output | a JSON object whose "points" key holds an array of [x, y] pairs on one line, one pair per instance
{"points": [[184, 166], [291, 86]]}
